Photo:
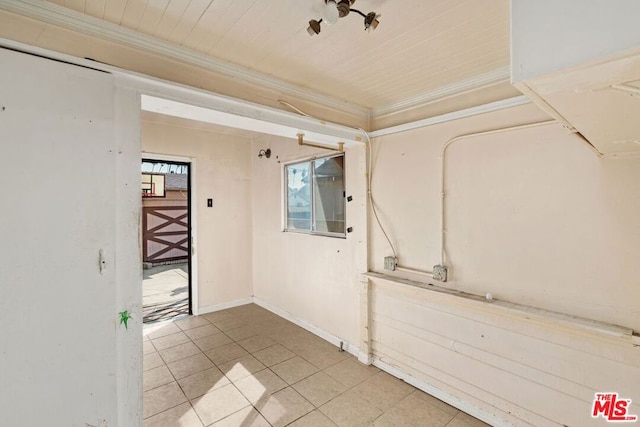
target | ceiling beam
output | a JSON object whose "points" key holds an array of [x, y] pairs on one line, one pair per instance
{"points": [[240, 115], [165, 97]]}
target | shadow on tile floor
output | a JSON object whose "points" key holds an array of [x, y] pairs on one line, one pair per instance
{"points": [[165, 292], [249, 367]]}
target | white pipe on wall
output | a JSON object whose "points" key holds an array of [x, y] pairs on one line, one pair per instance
{"points": [[444, 118], [444, 164]]}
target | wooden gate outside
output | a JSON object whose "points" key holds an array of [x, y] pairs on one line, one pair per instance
{"points": [[165, 233]]}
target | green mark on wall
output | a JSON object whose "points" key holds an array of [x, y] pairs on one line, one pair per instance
{"points": [[124, 318]]}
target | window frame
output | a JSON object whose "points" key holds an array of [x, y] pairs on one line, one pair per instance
{"points": [[285, 192]]}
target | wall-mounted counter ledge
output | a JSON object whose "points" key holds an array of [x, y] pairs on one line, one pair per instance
{"points": [[520, 310]]}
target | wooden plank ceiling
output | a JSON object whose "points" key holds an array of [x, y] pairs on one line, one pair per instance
{"points": [[419, 46]]}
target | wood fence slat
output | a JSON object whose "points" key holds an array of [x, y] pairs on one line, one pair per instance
{"points": [[154, 252]]}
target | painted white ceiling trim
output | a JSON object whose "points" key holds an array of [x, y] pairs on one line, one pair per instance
{"points": [[461, 114], [313, 133], [187, 102], [72, 20], [178, 100], [184, 101], [197, 104], [483, 80]]}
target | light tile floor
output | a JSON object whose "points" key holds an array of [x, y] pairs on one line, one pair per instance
{"points": [[247, 367]]}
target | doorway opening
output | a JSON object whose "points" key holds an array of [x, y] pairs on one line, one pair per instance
{"points": [[166, 242]]}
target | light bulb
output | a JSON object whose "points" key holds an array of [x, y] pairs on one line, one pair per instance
{"points": [[331, 13]]}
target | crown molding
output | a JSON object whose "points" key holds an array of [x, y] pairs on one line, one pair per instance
{"points": [[179, 100], [85, 24], [455, 115], [499, 75]]}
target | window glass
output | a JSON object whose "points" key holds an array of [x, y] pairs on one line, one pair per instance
{"points": [[299, 196], [315, 196], [328, 195]]}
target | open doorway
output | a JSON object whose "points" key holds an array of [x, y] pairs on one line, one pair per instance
{"points": [[166, 243]]}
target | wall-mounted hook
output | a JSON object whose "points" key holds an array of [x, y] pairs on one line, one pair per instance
{"points": [[264, 153]]}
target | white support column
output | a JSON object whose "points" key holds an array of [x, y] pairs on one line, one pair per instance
{"points": [[365, 355]]}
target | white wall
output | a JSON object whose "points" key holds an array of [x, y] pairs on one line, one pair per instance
{"points": [[532, 216], [535, 218], [550, 35], [313, 278], [64, 357], [506, 366], [128, 253], [222, 173]]}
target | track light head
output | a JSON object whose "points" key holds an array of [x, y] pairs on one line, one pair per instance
{"points": [[314, 27], [371, 21]]}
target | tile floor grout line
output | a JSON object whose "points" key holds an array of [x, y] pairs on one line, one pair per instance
{"points": [[296, 391], [176, 380], [177, 383], [260, 412], [274, 373], [215, 365], [246, 320], [228, 379]]}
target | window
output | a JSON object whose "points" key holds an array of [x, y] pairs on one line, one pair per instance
{"points": [[315, 196]]}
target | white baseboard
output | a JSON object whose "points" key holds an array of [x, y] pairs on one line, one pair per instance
{"points": [[365, 358], [350, 348], [224, 305], [439, 394]]}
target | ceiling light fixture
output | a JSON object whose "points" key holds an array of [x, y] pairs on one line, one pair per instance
{"points": [[336, 9]]}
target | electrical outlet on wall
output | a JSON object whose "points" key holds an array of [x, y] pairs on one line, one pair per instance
{"points": [[440, 273], [390, 263]]}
